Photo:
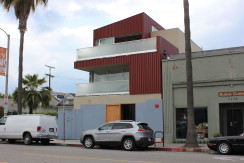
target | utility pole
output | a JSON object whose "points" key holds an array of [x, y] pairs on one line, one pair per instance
{"points": [[50, 75]]}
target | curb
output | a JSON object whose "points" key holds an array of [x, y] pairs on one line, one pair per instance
{"points": [[152, 148], [180, 149]]}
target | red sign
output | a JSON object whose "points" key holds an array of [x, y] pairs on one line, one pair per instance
{"points": [[156, 106], [3, 60]]}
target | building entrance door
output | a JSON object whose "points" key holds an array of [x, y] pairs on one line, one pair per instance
{"points": [[234, 122], [231, 119], [116, 112], [128, 112]]}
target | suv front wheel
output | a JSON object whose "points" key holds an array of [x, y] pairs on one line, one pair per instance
{"points": [[128, 144], [88, 142]]}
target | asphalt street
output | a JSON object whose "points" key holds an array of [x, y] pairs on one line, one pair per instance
{"points": [[37, 153]]}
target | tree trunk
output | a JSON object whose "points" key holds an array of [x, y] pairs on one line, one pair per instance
{"points": [[31, 110], [20, 89], [22, 29], [191, 138]]}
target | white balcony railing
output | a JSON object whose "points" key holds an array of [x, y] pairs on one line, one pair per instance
{"points": [[118, 49], [103, 88]]}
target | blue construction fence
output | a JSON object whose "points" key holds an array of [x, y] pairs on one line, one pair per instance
{"points": [[88, 117]]}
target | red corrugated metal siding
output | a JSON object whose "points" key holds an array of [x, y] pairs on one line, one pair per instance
{"points": [[140, 23], [127, 26], [145, 76]]}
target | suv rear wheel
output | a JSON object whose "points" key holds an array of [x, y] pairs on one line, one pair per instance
{"points": [[128, 144], [88, 142]]}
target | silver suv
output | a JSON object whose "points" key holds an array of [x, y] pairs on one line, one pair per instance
{"points": [[128, 134]]}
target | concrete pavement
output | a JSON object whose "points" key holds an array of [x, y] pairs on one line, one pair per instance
{"points": [[174, 147]]}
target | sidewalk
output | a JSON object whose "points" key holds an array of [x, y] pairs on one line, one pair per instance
{"points": [[158, 146]]}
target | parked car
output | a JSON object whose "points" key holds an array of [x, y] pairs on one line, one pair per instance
{"points": [[227, 144], [128, 134], [28, 128]]}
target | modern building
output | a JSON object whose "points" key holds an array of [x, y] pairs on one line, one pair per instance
{"points": [[218, 81], [125, 66]]}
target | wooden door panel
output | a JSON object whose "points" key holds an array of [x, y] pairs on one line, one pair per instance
{"points": [[113, 112]]}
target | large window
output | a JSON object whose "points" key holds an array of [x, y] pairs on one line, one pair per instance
{"points": [[100, 76], [201, 123], [104, 41], [125, 38], [115, 74]]}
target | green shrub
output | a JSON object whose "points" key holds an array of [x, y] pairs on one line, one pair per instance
{"points": [[217, 135], [52, 113], [14, 112]]}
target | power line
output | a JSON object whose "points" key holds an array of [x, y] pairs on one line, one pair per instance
{"points": [[71, 78]]}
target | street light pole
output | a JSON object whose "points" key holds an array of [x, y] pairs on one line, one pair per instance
{"points": [[7, 71]]}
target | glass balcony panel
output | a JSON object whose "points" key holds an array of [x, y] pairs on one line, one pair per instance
{"points": [[103, 88], [112, 50]]}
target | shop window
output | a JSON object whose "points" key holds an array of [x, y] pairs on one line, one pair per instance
{"points": [[201, 123]]}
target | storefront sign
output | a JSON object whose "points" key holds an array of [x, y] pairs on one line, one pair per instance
{"points": [[226, 94], [3, 61]]}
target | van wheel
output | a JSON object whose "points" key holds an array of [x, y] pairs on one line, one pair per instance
{"points": [[128, 144], [27, 139], [11, 141], [45, 141]]}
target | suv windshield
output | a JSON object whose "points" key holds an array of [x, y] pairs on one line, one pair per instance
{"points": [[144, 126]]}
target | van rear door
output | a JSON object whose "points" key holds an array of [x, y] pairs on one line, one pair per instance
{"points": [[49, 125]]}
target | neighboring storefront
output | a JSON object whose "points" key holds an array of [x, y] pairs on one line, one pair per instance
{"points": [[218, 79]]}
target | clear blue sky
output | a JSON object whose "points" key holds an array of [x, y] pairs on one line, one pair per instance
{"points": [[55, 32]]}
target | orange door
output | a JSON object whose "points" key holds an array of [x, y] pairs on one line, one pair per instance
{"points": [[113, 112]]}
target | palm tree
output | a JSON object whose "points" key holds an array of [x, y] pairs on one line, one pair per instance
{"points": [[22, 10], [191, 138], [32, 96]]}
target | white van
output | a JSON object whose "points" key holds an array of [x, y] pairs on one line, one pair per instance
{"points": [[33, 127]]}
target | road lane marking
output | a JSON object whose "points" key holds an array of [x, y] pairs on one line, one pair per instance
{"points": [[88, 158], [224, 158]]}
